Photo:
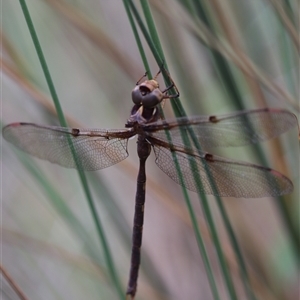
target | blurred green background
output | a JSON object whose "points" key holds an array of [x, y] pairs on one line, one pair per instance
{"points": [[224, 56]]}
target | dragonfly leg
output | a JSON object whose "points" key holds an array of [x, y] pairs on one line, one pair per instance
{"points": [[144, 76], [168, 96], [159, 71], [172, 85]]}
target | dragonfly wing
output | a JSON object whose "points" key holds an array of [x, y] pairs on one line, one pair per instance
{"points": [[95, 149], [237, 129], [231, 178]]}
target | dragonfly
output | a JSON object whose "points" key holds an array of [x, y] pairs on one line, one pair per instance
{"points": [[173, 143]]}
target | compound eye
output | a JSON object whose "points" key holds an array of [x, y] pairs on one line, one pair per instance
{"points": [[152, 99], [136, 95]]}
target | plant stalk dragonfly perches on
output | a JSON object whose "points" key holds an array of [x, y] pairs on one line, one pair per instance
{"points": [[100, 148]]}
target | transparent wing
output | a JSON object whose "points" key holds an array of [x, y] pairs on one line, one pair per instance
{"points": [[95, 149], [237, 129], [232, 178]]}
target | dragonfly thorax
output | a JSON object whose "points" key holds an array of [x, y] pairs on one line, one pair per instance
{"points": [[142, 115]]}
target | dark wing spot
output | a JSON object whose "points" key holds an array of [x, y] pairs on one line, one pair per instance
{"points": [[75, 131], [213, 119], [209, 157]]}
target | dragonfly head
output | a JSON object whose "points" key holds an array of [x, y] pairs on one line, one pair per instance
{"points": [[147, 94]]}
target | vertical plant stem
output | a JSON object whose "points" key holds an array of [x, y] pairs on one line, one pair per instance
{"points": [[101, 234]]}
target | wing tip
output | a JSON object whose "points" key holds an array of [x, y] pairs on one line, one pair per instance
{"points": [[285, 185]]}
